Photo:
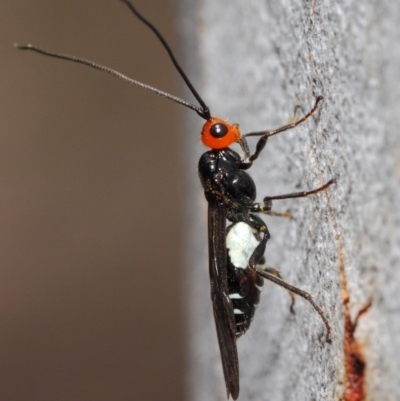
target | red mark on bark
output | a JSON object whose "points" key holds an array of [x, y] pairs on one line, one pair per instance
{"points": [[354, 359]]}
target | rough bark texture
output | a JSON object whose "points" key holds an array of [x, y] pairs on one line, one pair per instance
{"points": [[255, 61]]}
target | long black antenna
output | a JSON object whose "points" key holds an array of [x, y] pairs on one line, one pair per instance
{"points": [[202, 111], [92, 64], [205, 108]]}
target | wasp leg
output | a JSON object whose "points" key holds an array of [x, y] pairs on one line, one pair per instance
{"points": [[288, 213], [266, 134], [268, 199], [266, 209], [266, 206], [296, 114], [275, 272], [258, 254], [307, 296]]}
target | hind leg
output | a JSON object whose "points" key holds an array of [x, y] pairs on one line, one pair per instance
{"points": [[277, 280]]}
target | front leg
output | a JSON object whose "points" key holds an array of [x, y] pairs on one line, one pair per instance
{"points": [[266, 134]]}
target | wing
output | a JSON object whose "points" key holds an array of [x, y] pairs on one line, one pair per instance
{"points": [[222, 305]]}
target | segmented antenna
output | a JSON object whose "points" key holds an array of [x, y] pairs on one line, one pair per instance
{"points": [[202, 111], [205, 108]]}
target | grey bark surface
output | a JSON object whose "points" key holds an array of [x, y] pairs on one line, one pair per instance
{"points": [[253, 61]]}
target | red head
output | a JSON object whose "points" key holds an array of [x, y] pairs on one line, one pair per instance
{"points": [[218, 134]]}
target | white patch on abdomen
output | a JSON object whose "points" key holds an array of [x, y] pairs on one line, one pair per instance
{"points": [[235, 296], [241, 243]]}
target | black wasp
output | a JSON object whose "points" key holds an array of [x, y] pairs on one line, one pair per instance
{"points": [[230, 192]]}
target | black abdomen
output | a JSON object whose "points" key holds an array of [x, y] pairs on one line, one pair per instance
{"points": [[244, 287], [244, 284]]}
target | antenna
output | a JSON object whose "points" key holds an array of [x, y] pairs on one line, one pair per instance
{"points": [[202, 111], [205, 108]]}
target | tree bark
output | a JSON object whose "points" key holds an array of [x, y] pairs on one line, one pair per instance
{"points": [[253, 62]]}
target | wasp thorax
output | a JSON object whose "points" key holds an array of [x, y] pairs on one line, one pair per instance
{"points": [[218, 134]]}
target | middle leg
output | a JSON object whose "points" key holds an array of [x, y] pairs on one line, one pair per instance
{"points": [[302, 194]]}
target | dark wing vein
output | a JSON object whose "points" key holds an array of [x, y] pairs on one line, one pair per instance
{"points": [[222, 305]]}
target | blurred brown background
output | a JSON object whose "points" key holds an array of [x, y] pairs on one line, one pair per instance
{"points": [[90, 196]]}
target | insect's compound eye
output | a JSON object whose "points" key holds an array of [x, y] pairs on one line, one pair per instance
{"points": [[218, 130], [219, 134]]}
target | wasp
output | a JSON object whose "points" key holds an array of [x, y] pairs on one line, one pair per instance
{"points": [[236, 253]]}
